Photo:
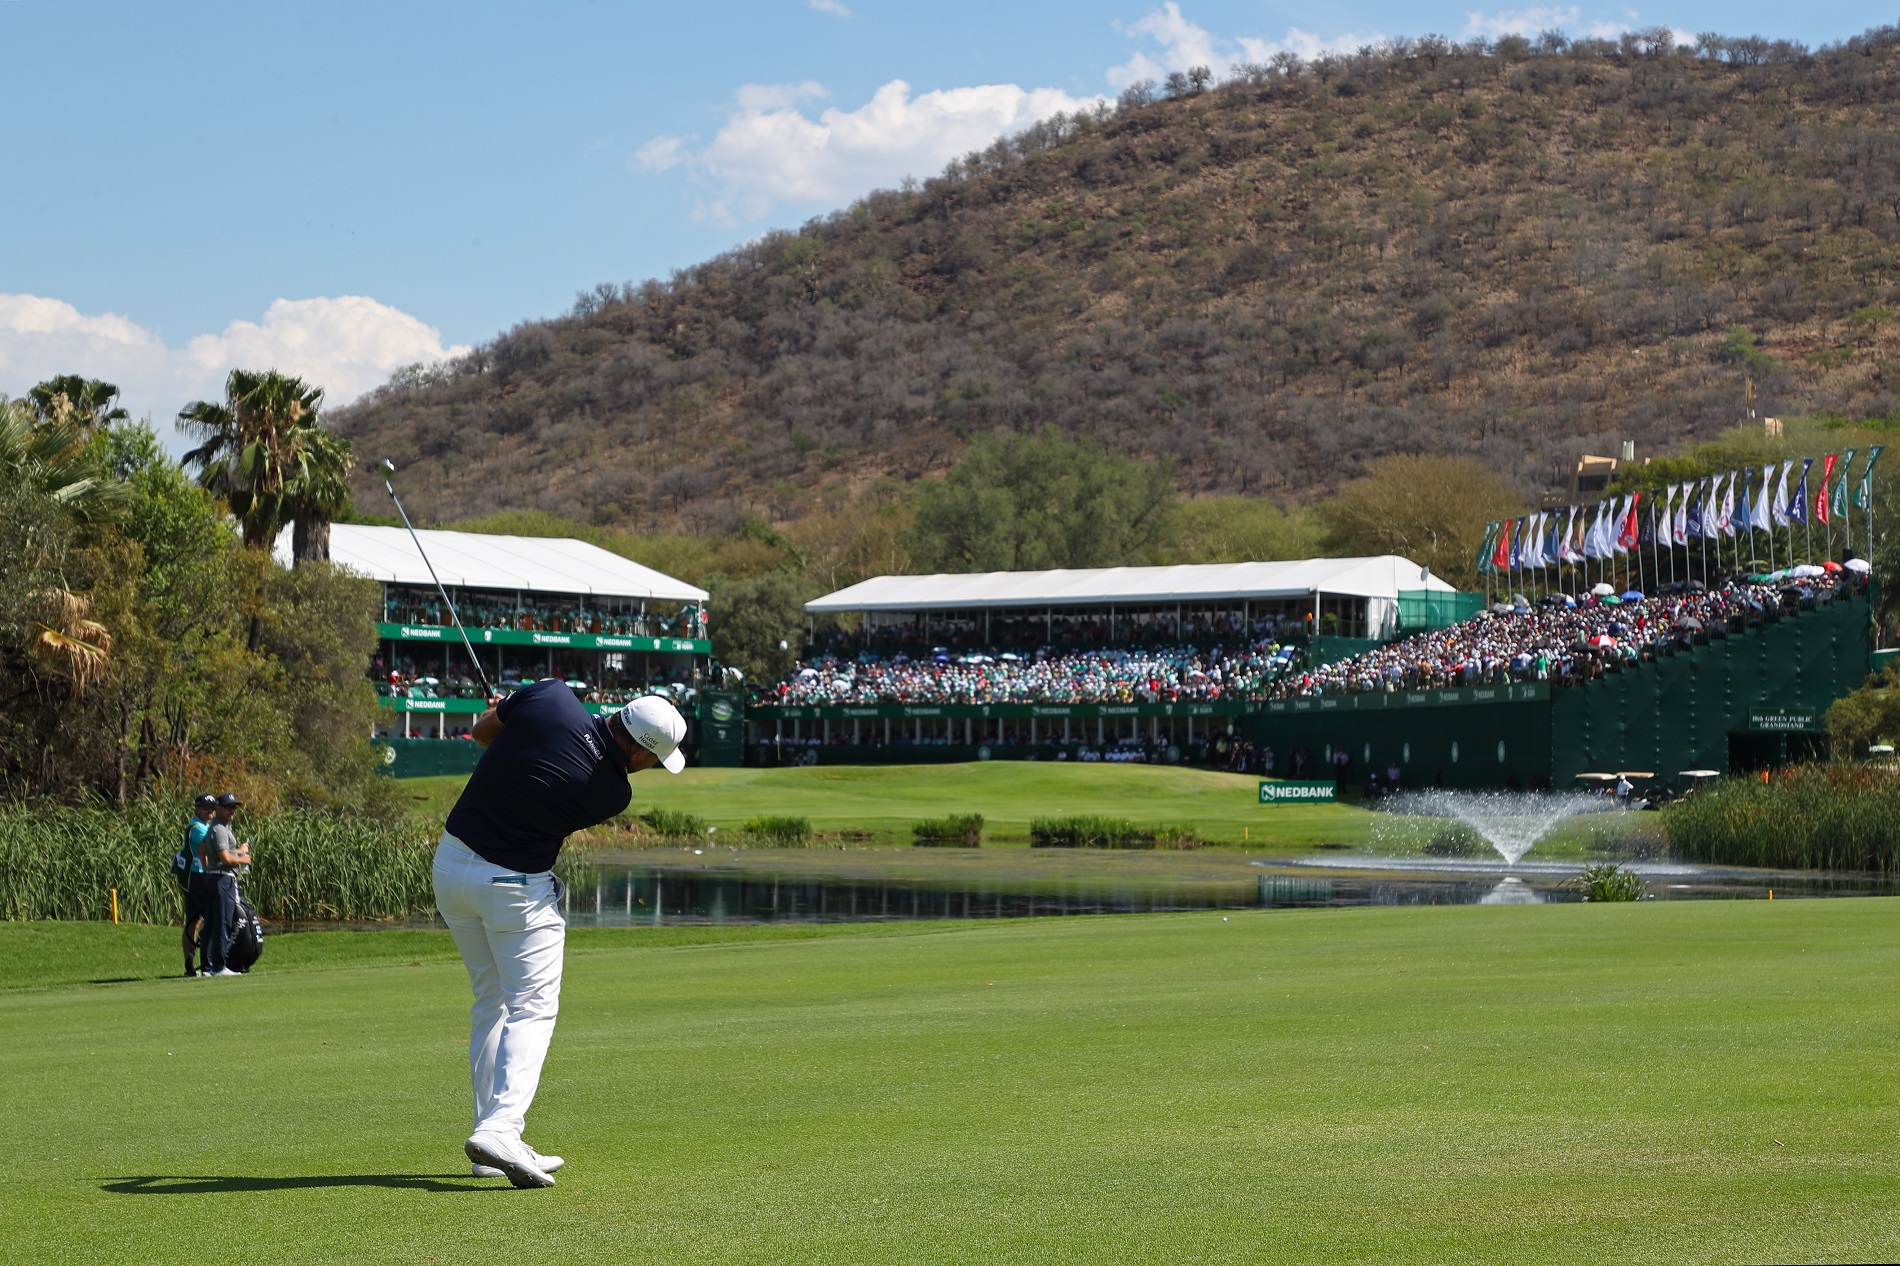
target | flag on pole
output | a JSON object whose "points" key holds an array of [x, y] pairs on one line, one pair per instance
{"points": [[1679, 525], [1693, 513], [1501, 550], [1632, 534], [1553, 542], [1821, 497], [1780, 512], [1761, 518], [1864, 495], [1840, 485], [1484, 547], [1725, 513], [1646, 531], [1798, 502], [1567, 550]]}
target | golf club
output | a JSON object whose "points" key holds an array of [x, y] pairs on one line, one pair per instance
{"points": [[389, 468]]}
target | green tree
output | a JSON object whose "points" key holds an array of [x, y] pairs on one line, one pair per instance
{"points": [[1240, 530], [86, 404], [57, 459], [318, 492], [1025, 502], [1432, 510], [751, 618], [1868, 715], [257, 445]]}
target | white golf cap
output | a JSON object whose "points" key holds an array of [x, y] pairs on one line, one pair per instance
{"points": [[657, 725]]}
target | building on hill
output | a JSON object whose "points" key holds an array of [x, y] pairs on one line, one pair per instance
{"points": [[534, 607]]}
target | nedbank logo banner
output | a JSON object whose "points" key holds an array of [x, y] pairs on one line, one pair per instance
{"points": [[1294, 792]]}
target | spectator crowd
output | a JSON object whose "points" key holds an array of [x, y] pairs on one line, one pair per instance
{"points": [[1046, 676], [1560, 638]]}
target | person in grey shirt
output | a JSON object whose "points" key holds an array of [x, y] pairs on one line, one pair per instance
{"points": [[221, 855]]}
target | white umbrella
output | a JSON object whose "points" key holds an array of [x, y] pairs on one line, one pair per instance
{"points": [[1807, 569], [1603, 589], [1858, 564]]}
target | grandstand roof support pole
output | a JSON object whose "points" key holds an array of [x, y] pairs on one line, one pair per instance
{"points": [[1049, 623]]}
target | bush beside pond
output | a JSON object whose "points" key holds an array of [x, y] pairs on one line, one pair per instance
{"points": [[1817, 817]]}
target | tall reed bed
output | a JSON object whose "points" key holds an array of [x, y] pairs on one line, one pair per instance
{"points": [[1817, 817], [64, 863]]}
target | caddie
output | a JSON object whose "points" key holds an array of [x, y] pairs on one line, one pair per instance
{"points": [[550, 768]]}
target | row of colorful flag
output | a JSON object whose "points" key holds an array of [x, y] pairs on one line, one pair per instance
{"points": [[1703, 509]]}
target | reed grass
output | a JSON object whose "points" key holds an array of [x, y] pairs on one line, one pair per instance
{"points": [[778, 832], [959, 830], [674, 824], [1607, 881], [65, 863], [1815, 817]]}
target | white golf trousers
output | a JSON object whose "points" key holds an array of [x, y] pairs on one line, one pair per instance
{"points": [[511, 935]]}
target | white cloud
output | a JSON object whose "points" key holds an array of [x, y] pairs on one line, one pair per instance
{"points": [[346, 345], [1568, 19], [830, 6], [660, 153], [1181, 44], [777, 96], [770, 153]]}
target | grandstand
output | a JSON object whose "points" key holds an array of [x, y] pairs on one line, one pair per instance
{"points": [[534, 607], [1229, 666], [1108, 663]]}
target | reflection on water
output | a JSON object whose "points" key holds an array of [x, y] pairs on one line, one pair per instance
{"points": [[631, 896], [626, 897]]}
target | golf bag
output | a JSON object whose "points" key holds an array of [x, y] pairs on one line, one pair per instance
{"points": [[247, 938], [181, 869]]}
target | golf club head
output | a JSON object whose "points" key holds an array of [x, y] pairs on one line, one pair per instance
{"points": [[387, 467]]}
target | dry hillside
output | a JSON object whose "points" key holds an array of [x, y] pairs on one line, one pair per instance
{"points": [[1521, 251]]}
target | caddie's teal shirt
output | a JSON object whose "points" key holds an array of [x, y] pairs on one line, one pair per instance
{"points": [[194, 840]]}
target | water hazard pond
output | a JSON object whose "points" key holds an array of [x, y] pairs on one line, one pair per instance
{"points": [[633, 895]]}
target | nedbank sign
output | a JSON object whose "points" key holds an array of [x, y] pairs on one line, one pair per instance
{"points": [[1295, 792]]}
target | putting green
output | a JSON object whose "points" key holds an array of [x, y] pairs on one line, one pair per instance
{"points": [[889, 798], [1648, 1082]]}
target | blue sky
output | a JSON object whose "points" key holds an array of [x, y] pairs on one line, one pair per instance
{"points": [[344, 188]]}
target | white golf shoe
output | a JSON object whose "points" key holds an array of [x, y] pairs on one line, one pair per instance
{"points": [[546, 1164], [510, 1158]]}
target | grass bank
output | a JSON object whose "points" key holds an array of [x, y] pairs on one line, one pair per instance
{"points": [[1648, 1082], [884, 801]]}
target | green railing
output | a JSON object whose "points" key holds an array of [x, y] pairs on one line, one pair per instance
{"points": [[536, 637]]}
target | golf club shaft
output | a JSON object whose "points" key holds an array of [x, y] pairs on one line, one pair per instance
{"points": [[488, 691]]}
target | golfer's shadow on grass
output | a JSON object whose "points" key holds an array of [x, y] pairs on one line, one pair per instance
{"points": [[175, 1185]]}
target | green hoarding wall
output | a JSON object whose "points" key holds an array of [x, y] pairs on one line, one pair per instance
{"points": [[1729, 701], [1733, 700]]}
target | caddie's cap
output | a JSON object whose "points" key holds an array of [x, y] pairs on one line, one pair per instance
{"points": [[657, 725], [206, 801], [228, 801]]}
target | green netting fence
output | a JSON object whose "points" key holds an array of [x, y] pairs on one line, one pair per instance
{"points": [[1424, 609]]}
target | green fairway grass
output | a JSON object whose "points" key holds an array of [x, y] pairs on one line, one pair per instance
{"points": [[1674, 1082], [1220, 807]]}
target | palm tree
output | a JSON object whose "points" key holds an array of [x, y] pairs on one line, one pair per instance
{"points": [[87, 404], [55, 459], [252, 442], [319, 490]]}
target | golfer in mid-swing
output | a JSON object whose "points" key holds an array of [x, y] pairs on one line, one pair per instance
{"points": [[551, 768]]}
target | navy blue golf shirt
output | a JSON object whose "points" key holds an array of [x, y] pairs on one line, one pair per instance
{"points": [[552, 770]]}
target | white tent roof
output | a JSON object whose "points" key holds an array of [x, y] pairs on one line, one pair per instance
{"points": [[473, 560], [1379, 577]]}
